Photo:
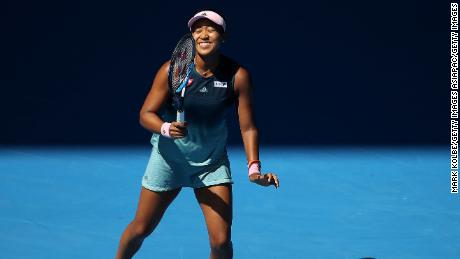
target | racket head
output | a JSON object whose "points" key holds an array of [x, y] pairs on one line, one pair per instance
{"points": [[181, 63]]}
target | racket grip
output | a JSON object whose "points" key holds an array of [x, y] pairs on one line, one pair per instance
{"points": [[180, 116]]}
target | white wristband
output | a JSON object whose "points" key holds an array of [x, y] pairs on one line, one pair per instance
{"points": [[165, 129]]}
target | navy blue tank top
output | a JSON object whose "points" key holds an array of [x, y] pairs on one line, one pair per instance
{"points": [[205, 104]]}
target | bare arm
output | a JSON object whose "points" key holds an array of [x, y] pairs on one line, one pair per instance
{"points": [[249, 133], [156, 98]]}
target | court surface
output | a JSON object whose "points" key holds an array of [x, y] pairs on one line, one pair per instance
{"points": [[333, 202]]}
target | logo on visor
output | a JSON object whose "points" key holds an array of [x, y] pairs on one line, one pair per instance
{"points": [[204, 14]]}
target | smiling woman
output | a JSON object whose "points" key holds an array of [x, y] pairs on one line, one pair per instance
{"points": [[193, 153]]}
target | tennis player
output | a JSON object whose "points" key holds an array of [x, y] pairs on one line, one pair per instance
{"points": [[193, 153]]}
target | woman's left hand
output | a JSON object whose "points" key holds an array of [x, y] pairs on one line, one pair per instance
{"points": [[265, 179]]}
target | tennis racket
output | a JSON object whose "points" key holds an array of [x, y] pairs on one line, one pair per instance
{"points": [[180, 68]]}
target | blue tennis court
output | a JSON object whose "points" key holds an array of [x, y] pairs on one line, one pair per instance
{"points": [[333, 202]]}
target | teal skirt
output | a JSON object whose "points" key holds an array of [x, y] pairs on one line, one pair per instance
{"points": [[169, 167]]}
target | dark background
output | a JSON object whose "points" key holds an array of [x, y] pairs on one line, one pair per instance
{"points": [[335, 72]]}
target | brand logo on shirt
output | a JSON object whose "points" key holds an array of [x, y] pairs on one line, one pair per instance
{"points": [[204, 89], [220, 84]]}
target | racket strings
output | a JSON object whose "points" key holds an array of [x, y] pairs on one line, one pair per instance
{"points": [[181, 60]]}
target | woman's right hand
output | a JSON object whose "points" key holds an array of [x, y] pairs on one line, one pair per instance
{"points": [[178, 129]]}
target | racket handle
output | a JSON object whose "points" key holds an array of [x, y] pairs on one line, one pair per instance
{"points": [[180, 116]]}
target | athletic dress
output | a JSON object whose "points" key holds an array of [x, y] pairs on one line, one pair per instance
{"points": [[199, 159]]}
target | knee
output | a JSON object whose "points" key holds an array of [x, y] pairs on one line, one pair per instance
{"points": [[141, 229], [221, 245]]}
